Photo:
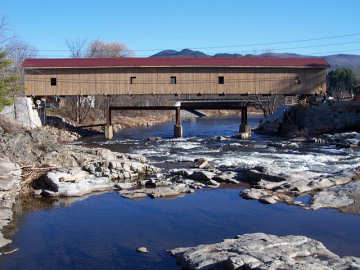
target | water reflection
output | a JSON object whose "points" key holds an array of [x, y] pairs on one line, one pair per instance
{"points": [[103, 231]]}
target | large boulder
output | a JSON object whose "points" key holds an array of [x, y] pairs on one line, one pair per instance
{"points": [[338, 197], [263, 252], [22, 111], [71, 183], [272, 124]]}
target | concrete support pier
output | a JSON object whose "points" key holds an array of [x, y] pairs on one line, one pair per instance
{"points": [[245, 129], [109, 131], [178, 130]]}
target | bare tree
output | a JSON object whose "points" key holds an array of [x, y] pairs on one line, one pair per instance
{"points": [[99, 48], [269, 103], [5, 33], [17, 51], [80, 106], [76, 47]]}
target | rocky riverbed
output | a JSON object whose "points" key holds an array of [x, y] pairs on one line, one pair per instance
{"points": [[274, 170]]}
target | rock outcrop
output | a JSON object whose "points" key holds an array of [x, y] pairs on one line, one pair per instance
{"points": [[92, 169], [74, 170], [10, 178], [38, 146], [263, 252], [313, 119], [278, 188]]}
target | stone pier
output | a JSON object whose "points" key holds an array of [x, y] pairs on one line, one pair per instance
{"points": [[109, 132], [244, 129], [178, 130]]}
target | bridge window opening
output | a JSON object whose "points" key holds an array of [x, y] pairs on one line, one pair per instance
{"points": [[132, 79], [173, 80], [53, 81], [221, 79]]}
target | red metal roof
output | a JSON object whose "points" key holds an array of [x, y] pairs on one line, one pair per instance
{"points": [[173, 62]]}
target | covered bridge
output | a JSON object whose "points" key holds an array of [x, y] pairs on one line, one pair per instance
{"points": [[189, 83], [174, 76]]}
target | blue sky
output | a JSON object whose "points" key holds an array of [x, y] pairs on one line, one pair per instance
{"points": [[150, 26]]}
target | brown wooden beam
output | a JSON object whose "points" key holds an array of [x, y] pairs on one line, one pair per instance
{"points": [[142, 108], [188, 106]]}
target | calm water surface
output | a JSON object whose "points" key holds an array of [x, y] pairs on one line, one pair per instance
{"points": [[103, 231]]}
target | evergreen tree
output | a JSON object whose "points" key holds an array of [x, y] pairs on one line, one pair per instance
{"points": [[7, 82], [341, 80]]}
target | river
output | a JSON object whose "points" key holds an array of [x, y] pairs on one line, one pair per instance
{"points": [[102, 231]]}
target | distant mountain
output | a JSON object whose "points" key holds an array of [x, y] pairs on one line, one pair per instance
{"points": [[182, 53], [335, 61], [228, 55], [282, 55], [343, 60], [191, 53]]}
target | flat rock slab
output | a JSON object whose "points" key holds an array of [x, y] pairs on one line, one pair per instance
{"points": [[172, 191], [134, 195], [337, 197], [263, 252], [125, 186], [254, 194]]}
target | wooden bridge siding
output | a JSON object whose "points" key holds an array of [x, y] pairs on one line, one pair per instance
{"points": [[117, 81]]}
